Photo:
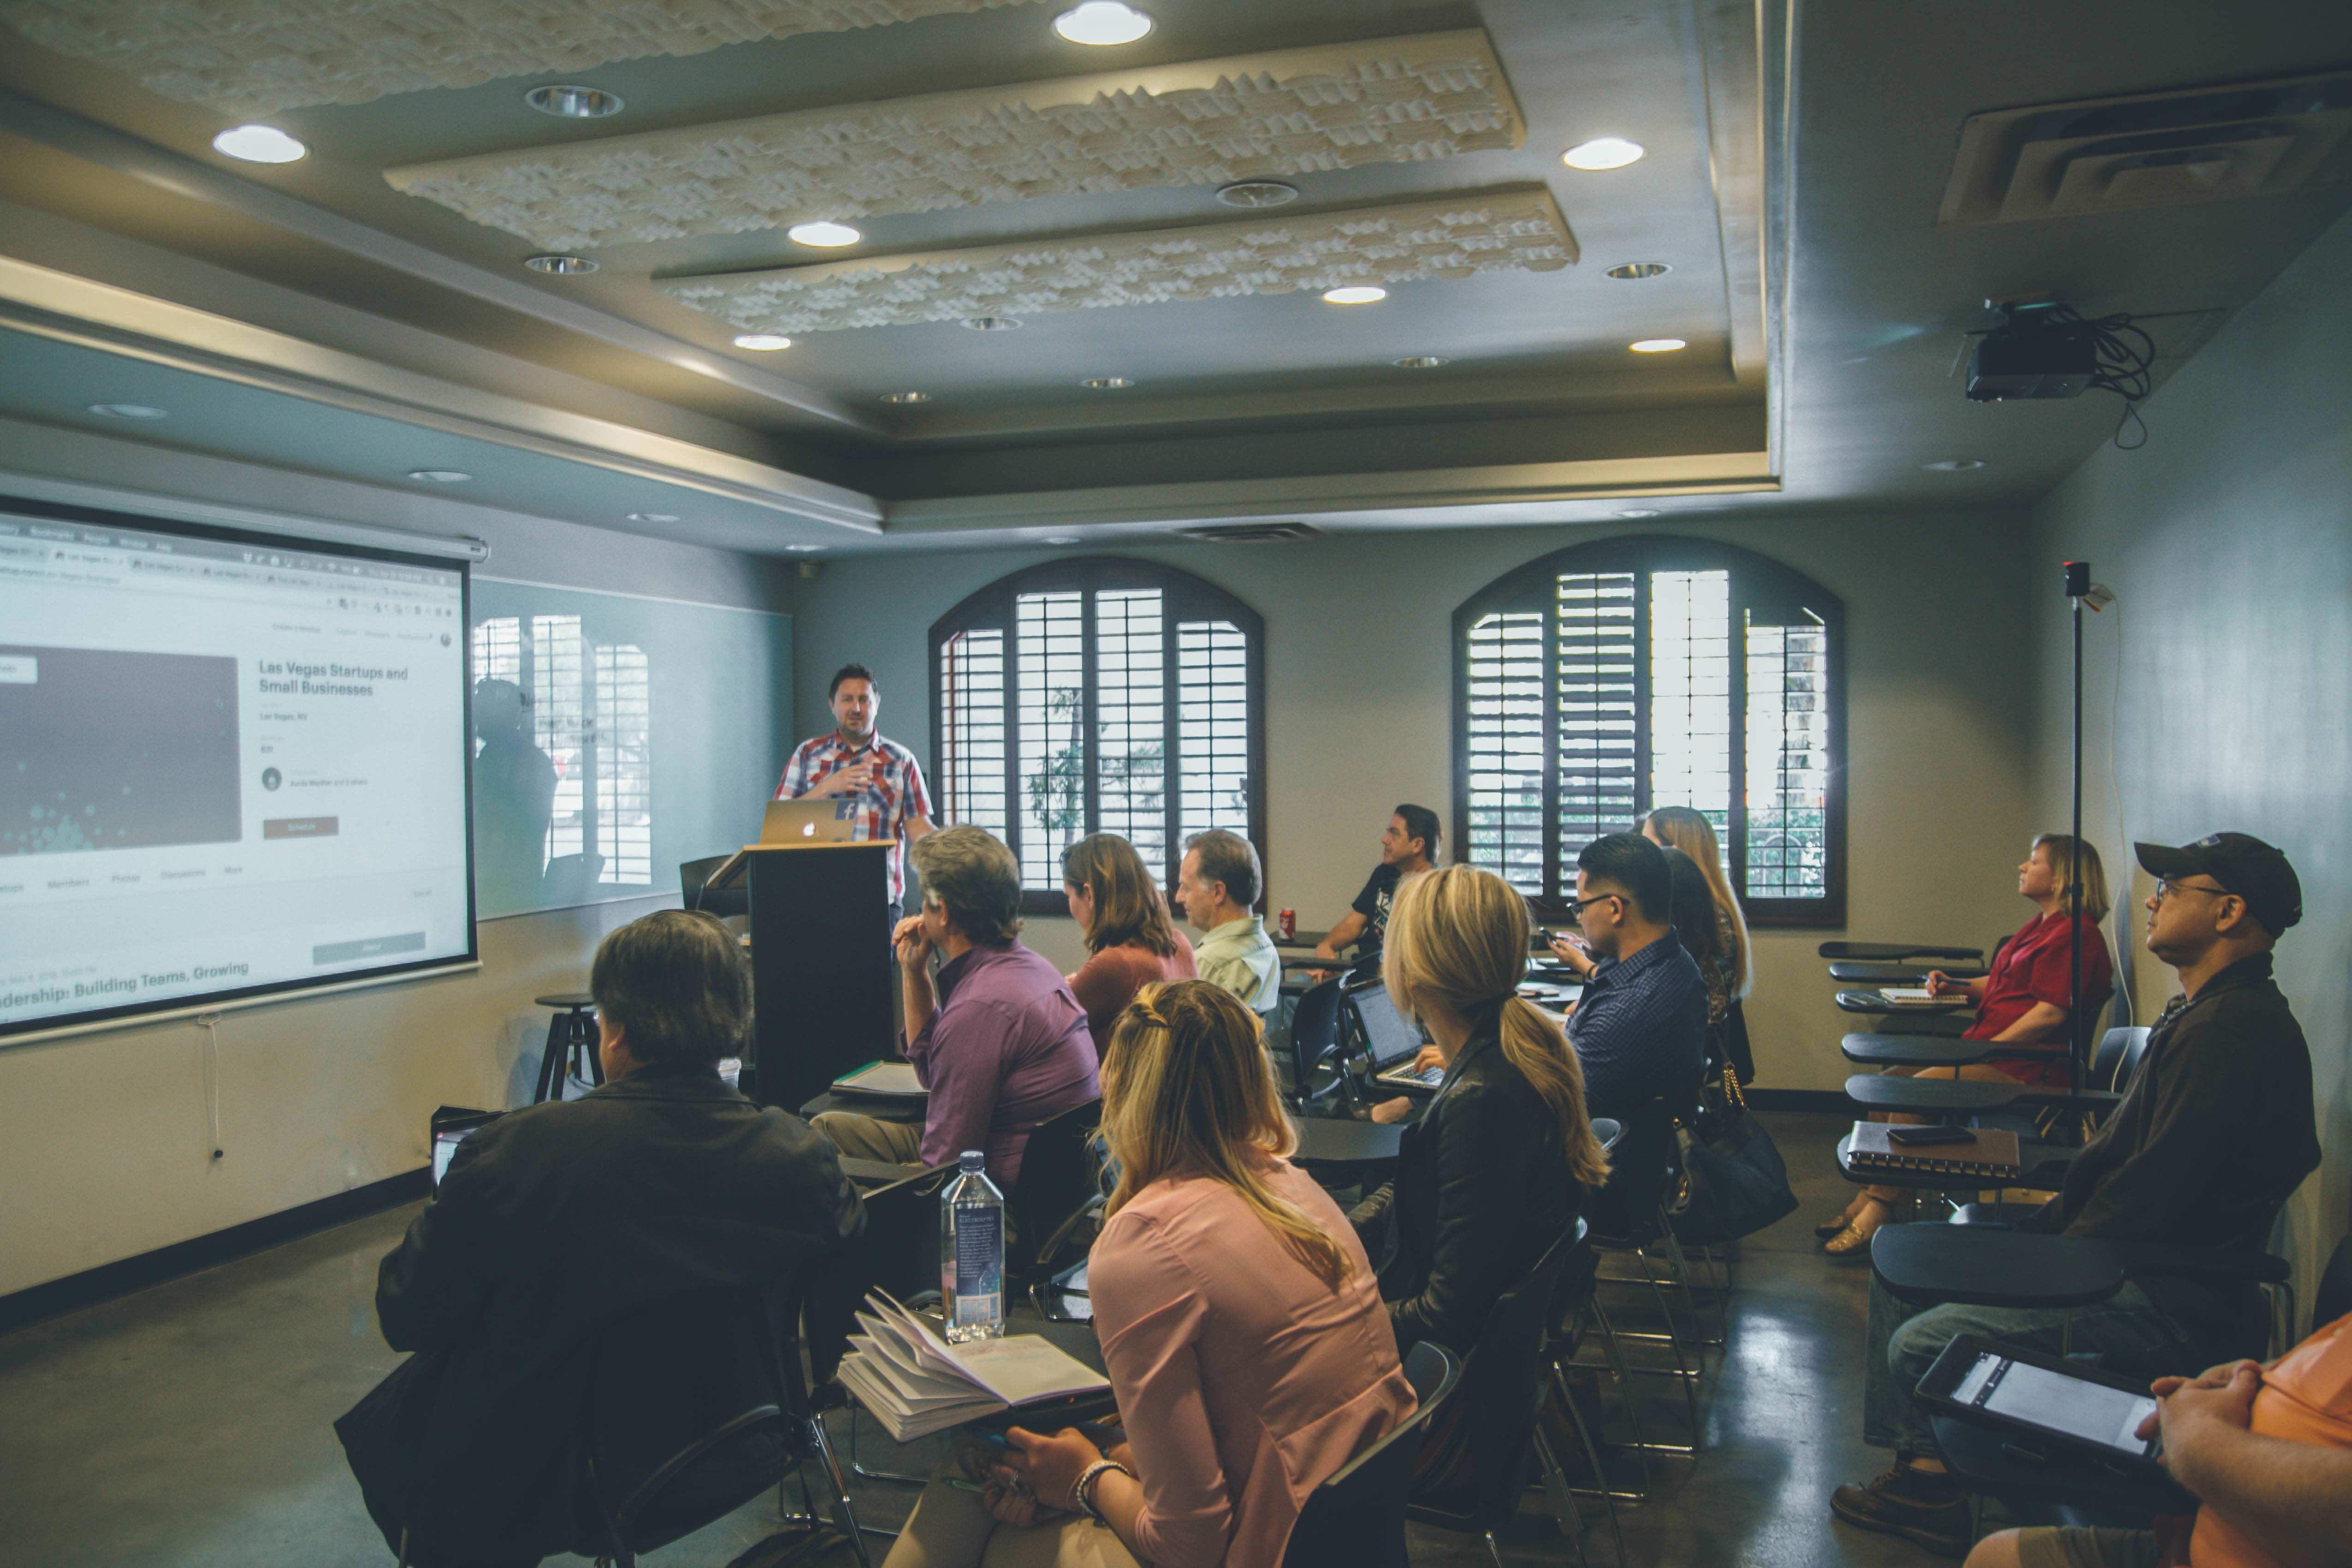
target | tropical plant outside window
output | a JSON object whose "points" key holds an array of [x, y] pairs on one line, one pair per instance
{"points": [[1605, 681], [1098, 695]]}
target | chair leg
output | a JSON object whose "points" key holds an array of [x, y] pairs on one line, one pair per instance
{"points": [[1679, 1372], [1622, 1374], [845, 1511], [1592, 1458], [861, 1473], [1493, 1552]]}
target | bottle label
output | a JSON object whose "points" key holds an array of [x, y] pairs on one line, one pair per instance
{"points": [[979, 1264]]}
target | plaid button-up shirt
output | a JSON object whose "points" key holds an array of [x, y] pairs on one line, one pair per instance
{"points": [[883, 806]]}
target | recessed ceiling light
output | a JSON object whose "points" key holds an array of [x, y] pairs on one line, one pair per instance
{"points": [[1602, 152], [1354, 294], [1420, 362], [765, 342], [992, 323], [129, 411], [1065, 539], [1256, 193], [824, 234], [1639, 512], [1105, 383], [907, 397], [1956, 465], [804, 550], [560, 265], [1657, 345], [653, 516], [573, 102], [1102, 22], [439, 475], [258, 144], [1639, 269]]}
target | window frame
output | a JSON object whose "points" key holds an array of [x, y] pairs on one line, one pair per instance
{"points": [[1755, 580], [1184, 598]]}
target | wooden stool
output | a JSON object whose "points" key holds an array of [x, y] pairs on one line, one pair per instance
{"points": [[571, 1036]]}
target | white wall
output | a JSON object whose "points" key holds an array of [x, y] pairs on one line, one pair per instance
{"points": [[2228, 540], [104, 1143], [1357, 671]]}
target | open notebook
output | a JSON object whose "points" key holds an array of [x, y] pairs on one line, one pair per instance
{"points": [[916, 1383]]}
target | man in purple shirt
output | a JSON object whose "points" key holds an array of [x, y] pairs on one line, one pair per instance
{"points": [[1001, 1043]]}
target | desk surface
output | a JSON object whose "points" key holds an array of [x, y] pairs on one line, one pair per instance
{"points": [[1328, 1141], [1897, 952], [1855, 972], [1981, 1268], [1930, 1096]]}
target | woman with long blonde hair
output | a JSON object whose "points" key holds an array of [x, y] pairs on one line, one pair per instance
{"points": [[1496, 1169], [1681, 828], [1239, 1318]]}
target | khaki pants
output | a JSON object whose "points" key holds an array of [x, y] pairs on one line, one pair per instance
{"points": [[951, 1528], [871, 1138]]}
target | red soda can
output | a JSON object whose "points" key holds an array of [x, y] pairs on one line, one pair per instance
{"points": [[1288, 920]]}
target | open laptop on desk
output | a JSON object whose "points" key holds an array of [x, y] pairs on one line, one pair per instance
{"points": [[1390, 1039]]}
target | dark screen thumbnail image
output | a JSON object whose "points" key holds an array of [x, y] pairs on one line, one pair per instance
{"points": [[105, 750]]}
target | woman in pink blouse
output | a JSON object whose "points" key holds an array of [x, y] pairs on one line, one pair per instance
{"points": [[1130, 940], [1239, 1321]]}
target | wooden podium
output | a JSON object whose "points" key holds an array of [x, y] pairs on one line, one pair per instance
{"points": [[821, 968]]}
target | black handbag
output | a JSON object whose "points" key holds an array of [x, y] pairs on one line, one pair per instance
{"points": [[1733, 1182]]}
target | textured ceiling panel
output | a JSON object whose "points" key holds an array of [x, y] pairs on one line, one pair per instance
{"points": [[1475, 232], [257, 56], [1203, 122]]}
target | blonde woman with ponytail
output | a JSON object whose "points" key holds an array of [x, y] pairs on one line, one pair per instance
{"points": [[1239, 1319], [1497, 1168]]}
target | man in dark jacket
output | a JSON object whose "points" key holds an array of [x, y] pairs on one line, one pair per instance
{"points": [[555, 1221], [2215, 1131]]}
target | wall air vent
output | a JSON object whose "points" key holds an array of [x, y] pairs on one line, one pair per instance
{"points": [[2152, 150], [1251, 533]]}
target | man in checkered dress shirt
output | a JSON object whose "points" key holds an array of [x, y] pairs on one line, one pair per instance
{"points": [[855, 759]]}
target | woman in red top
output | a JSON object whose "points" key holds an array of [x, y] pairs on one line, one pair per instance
{"points": [[2023, 1001], [1125, 921]]}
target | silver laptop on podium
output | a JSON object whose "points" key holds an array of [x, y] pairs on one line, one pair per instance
{"points": [[823, 820]]}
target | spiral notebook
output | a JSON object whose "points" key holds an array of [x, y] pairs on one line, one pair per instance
{"points": [[1990, 1155]]}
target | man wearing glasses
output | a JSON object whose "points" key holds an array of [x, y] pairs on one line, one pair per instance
{"points": [[2215, 1132], [1641, 1026]]}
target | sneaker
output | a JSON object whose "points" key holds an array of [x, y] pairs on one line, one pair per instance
{"points": [[1923, 1506]]}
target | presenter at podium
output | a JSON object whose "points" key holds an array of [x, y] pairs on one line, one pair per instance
{"points": [[856, 758]]}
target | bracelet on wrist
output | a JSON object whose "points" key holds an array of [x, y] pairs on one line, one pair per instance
{"points": [[1082, 1489]]}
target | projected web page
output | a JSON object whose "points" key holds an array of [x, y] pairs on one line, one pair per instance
{"points": [[226, 764]]}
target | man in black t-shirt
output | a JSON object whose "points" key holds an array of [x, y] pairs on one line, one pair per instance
{"points": [[1409, 844]]}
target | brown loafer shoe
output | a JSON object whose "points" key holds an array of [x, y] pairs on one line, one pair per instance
{"points": [[1922, 1507]]}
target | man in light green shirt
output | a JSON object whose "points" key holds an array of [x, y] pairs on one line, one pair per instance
{"points": [[1217, 884]]}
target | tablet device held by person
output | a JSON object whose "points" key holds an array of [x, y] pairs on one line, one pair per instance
{"points": [[2046, 1406]]}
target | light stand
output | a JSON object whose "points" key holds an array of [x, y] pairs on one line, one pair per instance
{"points": [[2078, 1036]]}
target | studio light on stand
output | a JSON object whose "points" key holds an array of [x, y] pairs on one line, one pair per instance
{"points": [[2080, 590]]}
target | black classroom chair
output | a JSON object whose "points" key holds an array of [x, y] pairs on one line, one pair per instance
{"points": [[1357, 1516], [697, 1405]]}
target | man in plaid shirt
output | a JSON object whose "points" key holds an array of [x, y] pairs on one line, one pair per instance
{"points": [[855, 759]]}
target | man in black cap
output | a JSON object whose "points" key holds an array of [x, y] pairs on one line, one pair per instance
{"points": [[2215, 1131]]}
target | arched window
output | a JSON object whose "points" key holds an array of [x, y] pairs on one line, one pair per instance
{"points": [[1099, 695], [1611, 678]]}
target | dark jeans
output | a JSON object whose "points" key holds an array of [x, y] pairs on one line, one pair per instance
{"points": [[1905, 1341]]}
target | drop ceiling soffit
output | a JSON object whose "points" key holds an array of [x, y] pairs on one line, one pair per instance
{"points": [[1295, 111], [1459, 236], [247, 58]]}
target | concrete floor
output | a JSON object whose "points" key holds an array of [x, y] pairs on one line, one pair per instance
{"points": [[187, 1426]]}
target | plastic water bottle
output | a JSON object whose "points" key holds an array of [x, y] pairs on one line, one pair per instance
{"points": [[971, 1253]]}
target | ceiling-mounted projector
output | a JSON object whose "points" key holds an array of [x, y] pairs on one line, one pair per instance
{"points": [[2041, 349]]}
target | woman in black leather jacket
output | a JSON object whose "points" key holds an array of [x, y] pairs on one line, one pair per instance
{"points": [[1494, 1170]]}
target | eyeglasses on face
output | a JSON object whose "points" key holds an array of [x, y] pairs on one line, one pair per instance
{"points": [[2165, 890], [1576, 906]]}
